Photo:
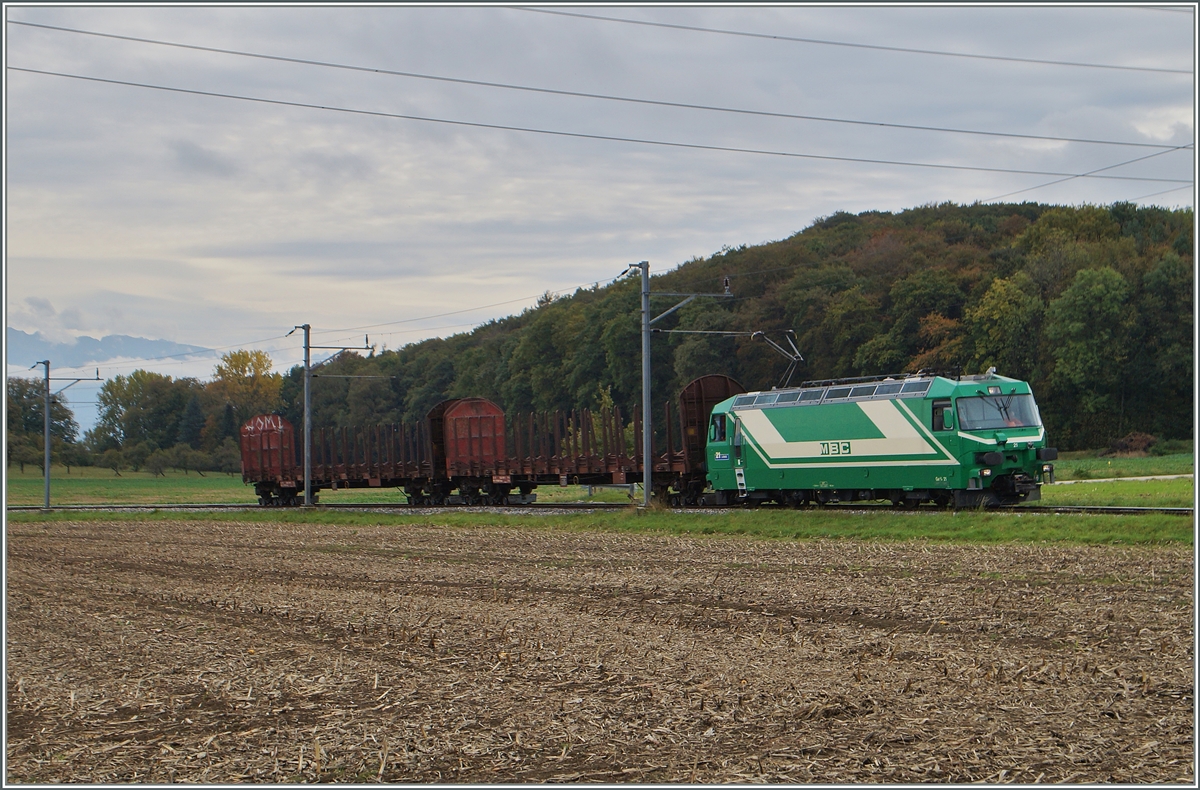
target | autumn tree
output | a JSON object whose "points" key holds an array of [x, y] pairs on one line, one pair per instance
{"points": [[245, 380]]}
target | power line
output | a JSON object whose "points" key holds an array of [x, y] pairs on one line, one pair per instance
{"points": [[825, 42], [583, 135], [1165, 191], [1061, 180], [585, 95]]}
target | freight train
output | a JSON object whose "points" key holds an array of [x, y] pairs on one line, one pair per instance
{"points": [[468, 452], [966, 441], [962, 441]]}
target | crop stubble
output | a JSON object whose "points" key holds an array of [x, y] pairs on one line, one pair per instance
{"points": [[215, 651]]}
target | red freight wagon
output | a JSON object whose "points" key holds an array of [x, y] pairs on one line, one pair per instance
{"points": [[268, 451], [473, 437]]}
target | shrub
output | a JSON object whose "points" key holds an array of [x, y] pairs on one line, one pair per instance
{"points": [[1134, 442], [1172, 447]]}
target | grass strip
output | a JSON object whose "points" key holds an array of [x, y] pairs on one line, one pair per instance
{"points": [[1089, 468], [1179, 492], [964, 527]]}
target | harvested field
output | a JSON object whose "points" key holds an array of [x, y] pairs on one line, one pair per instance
{"points": [[219, 652]]}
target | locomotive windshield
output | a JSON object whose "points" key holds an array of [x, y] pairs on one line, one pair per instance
{"points": [[998, 411]]}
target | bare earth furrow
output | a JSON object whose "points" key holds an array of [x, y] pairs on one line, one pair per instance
{"points": [[220, 652]]}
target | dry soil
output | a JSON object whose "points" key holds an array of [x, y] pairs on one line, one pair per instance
{"points": [[220, 652]]}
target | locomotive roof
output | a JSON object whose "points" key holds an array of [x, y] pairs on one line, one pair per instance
{"points": [[858, 389]]}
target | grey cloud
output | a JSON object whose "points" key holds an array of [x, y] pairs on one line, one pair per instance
{"points": [[266, 214], [41, 307], [71, 318], [195, 159]]}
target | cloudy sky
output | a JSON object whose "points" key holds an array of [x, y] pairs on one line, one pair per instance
{"points": [[167, 212]]}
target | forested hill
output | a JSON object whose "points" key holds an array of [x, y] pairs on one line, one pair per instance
{"points": [[1093, 305]]}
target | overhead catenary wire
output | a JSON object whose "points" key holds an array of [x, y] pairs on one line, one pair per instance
{"points": [[584, 135], [854, 45], [588, 95], [1164, 192], [1072, 178]]}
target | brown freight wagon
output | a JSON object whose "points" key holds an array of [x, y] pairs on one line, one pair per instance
{"points": [[466, 451]]}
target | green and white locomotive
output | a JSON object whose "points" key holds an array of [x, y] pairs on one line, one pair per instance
{"points": [[965, 441]]}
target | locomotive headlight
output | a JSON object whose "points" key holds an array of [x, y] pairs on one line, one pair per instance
{"points": [[985, 472]]}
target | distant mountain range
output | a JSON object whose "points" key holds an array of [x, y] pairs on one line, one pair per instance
{"points": [[26, 349]]}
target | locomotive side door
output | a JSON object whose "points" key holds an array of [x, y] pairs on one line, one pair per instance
{"points": [[945, 430], [720, 450], [739, 459]]}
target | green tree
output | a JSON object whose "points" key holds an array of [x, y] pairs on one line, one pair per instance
{"points": [[141, 407], [112, 459], [191, 423], [1062, 224], [26, 403], [227, 458], [924, 296], [136, 455], [157, 463], [24, 449], [1162, 364], [1085, 325], [1006, 327], [25, 421], [1088, 329], [229, 423], [186, 459]]}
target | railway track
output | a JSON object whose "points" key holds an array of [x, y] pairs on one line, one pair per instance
{"points": [[581, 506]]}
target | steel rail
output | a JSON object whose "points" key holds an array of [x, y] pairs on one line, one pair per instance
{"points": [[401, 507]]}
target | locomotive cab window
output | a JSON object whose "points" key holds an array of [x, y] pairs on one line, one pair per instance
{"points": [[943, 415], [994, 412], [717, 432]]}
